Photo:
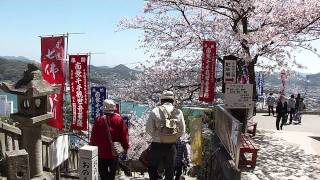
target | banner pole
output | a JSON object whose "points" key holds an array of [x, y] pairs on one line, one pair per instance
{"points": [[66, 82], [89, 88], [52, 35]]}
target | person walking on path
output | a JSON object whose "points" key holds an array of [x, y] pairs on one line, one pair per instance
{"points": [[281, 110], [297, 102], [300, 107], [270, 102], [109, 128], [165, 125], [291, 108], [182, 158]]}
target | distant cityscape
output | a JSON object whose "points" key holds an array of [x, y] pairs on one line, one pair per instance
{"points": [[310, 93], [116, 79]]}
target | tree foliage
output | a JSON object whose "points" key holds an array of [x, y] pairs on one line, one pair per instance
{"points": [[262, 33]]}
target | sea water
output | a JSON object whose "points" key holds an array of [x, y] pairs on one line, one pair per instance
{"points": [[125, 106], [128, 107]]}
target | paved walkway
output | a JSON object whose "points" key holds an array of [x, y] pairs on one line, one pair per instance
{"points": [[310, 123], [291, 154]]}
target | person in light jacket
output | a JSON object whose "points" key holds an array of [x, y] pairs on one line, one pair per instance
{"points": [[165, 125], [270, 102]]}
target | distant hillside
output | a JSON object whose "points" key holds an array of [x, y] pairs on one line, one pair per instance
{"points": [[293, 80], [314, 79], [19, 58], [105, 75], [12, 70], [120, 72], [274, 79]]}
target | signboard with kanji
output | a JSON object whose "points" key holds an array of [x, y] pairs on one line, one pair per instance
{"points": [[52, 65], [79, 91], [207, 89], [238, 96], [98, 95], [230, 71]]}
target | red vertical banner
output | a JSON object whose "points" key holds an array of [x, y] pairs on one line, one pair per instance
{"points": [[79, 91], [52, 65], [207, 90]]}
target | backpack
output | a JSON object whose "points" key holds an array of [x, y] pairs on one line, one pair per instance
{"points": [[168, 124]]}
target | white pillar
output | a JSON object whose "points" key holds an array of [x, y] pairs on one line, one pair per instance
{"points": [[88, 165]]}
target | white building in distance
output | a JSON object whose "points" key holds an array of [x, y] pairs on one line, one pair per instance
{"points": [[6, 107], [9, 109]]}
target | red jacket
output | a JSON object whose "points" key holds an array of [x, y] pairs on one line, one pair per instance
{"points": [[118, 131]]}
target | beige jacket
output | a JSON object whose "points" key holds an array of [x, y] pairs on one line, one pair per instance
{"points": [[153, 124]]}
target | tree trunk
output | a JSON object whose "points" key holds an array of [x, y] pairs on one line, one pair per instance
{"points": [[252, 78]]}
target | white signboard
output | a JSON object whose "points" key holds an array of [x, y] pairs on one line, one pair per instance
{"points": [[59, 151], [88, 163], [238, 96], [230, 71]]}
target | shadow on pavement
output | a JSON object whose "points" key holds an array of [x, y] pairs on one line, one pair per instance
{"points": [[316, 138], [278, 159]]}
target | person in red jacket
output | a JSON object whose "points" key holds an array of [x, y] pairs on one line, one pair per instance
{"points": [[109, 127]]}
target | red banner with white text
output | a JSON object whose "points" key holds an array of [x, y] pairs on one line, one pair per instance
{"points": [[207, 90], [78, 91], [52, 65]]}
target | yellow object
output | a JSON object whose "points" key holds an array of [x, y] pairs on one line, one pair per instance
{"points": [[196, 141]]}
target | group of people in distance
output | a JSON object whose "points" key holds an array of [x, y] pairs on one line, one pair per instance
{"points": [[165, 125], [292, 108]]}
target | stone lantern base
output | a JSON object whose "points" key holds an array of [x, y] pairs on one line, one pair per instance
{"points": [[44, 176]]}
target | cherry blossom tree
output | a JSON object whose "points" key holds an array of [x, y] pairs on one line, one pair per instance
{"points": [[261, 33], [139, 140]]}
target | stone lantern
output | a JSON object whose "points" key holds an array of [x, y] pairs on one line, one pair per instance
{"points": [[32, 92]]}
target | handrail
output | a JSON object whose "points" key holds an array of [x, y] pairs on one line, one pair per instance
{"points": [[10, 128], [228, 129], [46, 139], [227, 113], [10, 138]]}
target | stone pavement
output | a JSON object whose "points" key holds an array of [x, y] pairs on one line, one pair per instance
{"points": [[291, 154]]}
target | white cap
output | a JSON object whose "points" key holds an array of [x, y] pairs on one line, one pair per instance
{"points": [[167, 95], [109, 106]]}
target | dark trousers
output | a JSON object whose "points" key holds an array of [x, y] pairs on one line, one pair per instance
{"points": [[292, 113], [254, 111], [178, 172], [107, 168], [164, 154], [270, 108], [282, 118]]}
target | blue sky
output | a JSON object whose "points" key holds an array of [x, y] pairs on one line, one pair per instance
{"points": [[22, 21]]}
